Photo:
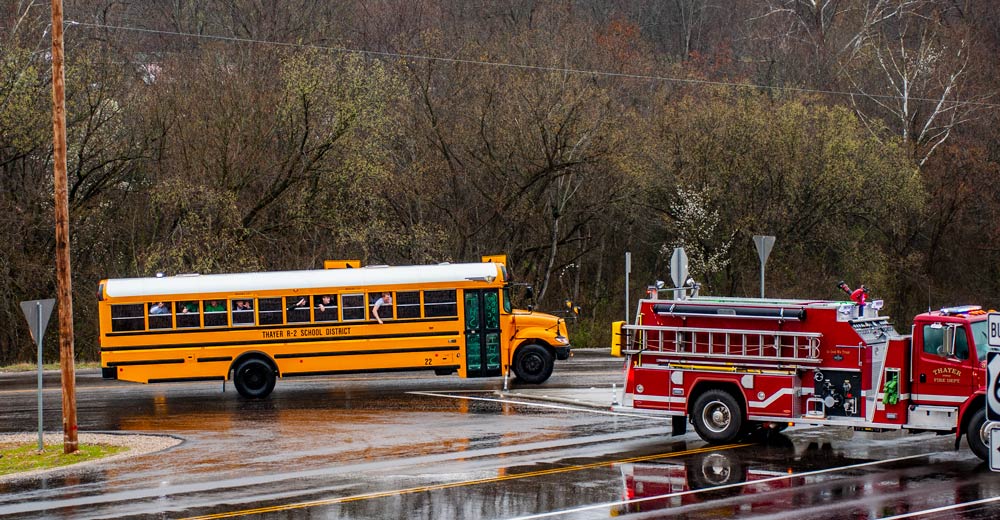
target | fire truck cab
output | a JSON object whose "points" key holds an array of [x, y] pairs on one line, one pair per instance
{"points": [[732, 365]]}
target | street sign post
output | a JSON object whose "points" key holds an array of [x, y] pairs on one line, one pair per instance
{"points": [[995, 449], [678, 270], [628, 270], [764, 245], [37, 312]]}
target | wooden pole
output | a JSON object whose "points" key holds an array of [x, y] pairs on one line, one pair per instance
{"points": [[64, 284]]}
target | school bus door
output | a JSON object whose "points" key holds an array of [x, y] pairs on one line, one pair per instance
{"points": [[482, 332]]}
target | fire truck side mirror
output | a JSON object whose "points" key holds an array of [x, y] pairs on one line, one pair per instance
{"points": [[946, 331], [948, 338], [617, 337]]}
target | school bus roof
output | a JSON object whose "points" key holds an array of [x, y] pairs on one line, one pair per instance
{"points": [[372, 276]]}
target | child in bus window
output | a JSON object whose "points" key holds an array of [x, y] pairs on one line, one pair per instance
{"points": [[386, 299], [326, 308], [159, 308], [242, 312], [297, 309], [215, 313]]}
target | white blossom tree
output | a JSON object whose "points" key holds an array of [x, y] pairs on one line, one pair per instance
{"points": [[697, 229]]}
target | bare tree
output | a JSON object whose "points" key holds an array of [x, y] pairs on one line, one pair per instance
{"points": [[916, 78]]}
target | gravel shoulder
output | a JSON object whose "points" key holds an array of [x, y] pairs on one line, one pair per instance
{"points": [[137, 445]]}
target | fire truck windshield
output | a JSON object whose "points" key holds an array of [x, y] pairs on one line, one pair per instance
{"points": [[980, 336]]}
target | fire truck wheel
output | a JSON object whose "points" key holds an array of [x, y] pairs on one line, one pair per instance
{"points": [[532, 364], [978, 435], [254, 378], [717, 416]]}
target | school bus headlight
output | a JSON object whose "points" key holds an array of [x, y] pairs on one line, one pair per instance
{"points": [[562, 339]]}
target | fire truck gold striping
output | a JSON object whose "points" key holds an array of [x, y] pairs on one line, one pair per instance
{"points": [[733, 365]]}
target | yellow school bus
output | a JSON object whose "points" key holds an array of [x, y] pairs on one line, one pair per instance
{"points": [[253, 328]]}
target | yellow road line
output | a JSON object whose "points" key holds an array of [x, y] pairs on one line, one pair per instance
{"points": [[383, 494]]}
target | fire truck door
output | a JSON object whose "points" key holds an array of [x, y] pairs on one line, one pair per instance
{"points": [[940, 377]]}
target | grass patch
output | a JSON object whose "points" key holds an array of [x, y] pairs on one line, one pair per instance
{"points": [[18, 458], [33, 367]]}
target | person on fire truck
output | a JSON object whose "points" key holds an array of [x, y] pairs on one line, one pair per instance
{"points": [[858, 296]]}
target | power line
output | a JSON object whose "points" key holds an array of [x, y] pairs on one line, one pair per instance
{"points": [[521, 66]]}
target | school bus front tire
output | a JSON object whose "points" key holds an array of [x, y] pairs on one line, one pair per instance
{"points": [[254, 378], [533, 364]]}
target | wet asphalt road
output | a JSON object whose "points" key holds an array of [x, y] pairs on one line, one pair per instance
{"points": [[420, 446]]}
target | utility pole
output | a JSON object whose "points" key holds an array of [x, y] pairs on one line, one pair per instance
{"points": [[64, 283]]}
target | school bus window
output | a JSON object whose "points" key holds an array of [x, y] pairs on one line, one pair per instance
{"points": [[407, 304], [269, 311], [161, 315], [508, 306], [491, 305], [297, 308], [325, 307], [385, 308], [188, 314], [215, 313], [353, 306], [242, 312], [127, 317], [439, 304]]}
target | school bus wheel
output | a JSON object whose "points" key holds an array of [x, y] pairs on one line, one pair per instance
{"points": [[532, 363], [254, 378]]}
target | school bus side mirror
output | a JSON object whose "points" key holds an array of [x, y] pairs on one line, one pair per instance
{"points": [[617, 336]]}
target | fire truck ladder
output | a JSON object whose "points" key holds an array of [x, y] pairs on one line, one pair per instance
{"points": [[750, 347]]}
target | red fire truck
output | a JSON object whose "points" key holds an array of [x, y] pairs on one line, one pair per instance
{"points": [[733, 365]]}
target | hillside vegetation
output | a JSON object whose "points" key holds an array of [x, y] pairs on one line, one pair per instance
{"points": [[239, 135]]}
